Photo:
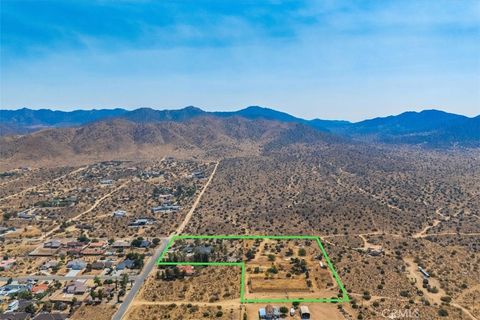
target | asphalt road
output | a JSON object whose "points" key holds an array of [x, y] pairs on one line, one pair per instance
{"points": [[139, 281]]}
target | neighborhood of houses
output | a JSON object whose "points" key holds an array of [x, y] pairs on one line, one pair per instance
{"points": [[74, 272], [72, 238]]}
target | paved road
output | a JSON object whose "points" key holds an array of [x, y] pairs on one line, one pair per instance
{"points": [[146, 270], [197, 201], [139, 281]]}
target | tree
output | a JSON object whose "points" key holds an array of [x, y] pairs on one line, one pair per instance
{"points": [[30, 309], [302, 252], [47, 306], [443, 313], [272, 269], [100, 294], [124, 281], [83, 238], [137, 242], [27, 295], [97, 281]]}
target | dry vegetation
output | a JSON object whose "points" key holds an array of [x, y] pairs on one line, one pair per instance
{"points": [[208, 284], [422, 208], [183, 311]]}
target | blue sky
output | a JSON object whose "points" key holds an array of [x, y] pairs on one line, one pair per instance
{"points": [[327, 59]]}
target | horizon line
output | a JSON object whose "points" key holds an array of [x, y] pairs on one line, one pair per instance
{"points": [[128, 109]]}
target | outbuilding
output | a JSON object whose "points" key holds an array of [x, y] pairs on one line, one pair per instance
{"points": [[304, 312]]}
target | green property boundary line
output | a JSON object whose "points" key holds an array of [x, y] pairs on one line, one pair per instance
{"points": [[345, 297]]}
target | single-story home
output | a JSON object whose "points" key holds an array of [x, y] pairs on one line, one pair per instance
{"points": [[127, 263], [121, 244], [15, 316], [188, 270], [92, 251], [7, 264], [102, 264], [119, 213], [40, 288], [269, 312], [52, 244], [77, 264], [76, 287]]}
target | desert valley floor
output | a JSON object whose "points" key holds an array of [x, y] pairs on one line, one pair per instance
{"points": [[400, 228]]}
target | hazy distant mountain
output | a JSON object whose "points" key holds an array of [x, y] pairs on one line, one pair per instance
{"points": [[144, 115], [27, 120], [405, 123], [430, 128]]}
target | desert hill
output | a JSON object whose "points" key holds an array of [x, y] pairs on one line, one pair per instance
{"points": [[428, 128], [119, 138]]}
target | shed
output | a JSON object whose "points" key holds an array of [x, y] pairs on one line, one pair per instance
{"points": [[304, 312]]}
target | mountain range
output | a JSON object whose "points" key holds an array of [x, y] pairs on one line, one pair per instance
{"points": [[30, 136], [431, 128]]}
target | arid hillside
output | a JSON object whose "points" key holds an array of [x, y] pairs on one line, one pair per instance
{"points": [[209, 137]]}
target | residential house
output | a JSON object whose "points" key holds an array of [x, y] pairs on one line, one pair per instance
{"points": [[198, 174], [52, 244], [165, 208], [93, 251], [121, 245], [102, 264], [141, 222], [14, 287], [13, 306], [15, 316], [74, 252], [25, 215], [75, 244], [84, 226], [188, 270], [5, 230], [375, 252], [40, 288], [22, 304], [119, 214], [98, 244], [49, 264], [127, 263], [7, 264], [269, 312], [76, 287], [76, 264]]}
